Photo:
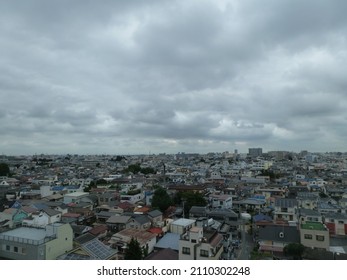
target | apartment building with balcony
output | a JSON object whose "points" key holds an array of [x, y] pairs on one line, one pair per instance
{"points": [[200, 244], [286, 210]]}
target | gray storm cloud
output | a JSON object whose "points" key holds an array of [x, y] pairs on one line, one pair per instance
{"points": [[168, 76]]}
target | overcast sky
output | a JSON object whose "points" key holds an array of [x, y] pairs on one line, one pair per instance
{"points": [[130, 77]]}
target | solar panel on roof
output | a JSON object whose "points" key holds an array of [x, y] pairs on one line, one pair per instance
{"points": [[77, 257], [98, 250]]}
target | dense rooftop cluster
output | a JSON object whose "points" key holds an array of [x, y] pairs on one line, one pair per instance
{"points": [[181, 206]]}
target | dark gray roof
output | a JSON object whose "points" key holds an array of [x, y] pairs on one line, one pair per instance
{"points": [[107, 194], [164, 254], [286, 202], [327, 206], [154, 213], [198, 211], [84, 238], [222, 213], [92, 197], [141, 219], [169, 240], [279, 233], [79, 229], [252, 202], [51, 212], [53, 204], [336, 190], [115, 219], [80, 205], [309, 212], [307, 195], [337, 216], [104, 214]]}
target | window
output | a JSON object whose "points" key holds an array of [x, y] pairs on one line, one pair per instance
{"points": [[203, 253], [193, 240], [341, 222], [15, 249], [186, 250], [320, 238], [8, 248], [308, 236]]}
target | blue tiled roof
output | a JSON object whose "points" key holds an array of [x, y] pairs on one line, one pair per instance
{"points": [[72, 187], [39, 206], [261, 217], [58, 188]]}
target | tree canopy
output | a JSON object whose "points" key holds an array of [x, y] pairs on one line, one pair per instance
{"points": [[294, 250], [4, 169], [161, 199], [136, 168], [190, 199], [133, 251]]}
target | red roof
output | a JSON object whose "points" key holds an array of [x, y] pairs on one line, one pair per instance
{"points": [[71, 215], [156, 230], [98, 229]]}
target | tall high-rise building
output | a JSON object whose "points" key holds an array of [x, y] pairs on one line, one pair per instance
{"points": [[255, 152]]}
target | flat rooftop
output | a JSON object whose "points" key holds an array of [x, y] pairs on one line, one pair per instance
{"points": [[183, 222], [36, 234], [76, 194], [313, 226]]}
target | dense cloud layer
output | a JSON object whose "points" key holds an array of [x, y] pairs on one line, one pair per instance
{"points": [[129, 77]]}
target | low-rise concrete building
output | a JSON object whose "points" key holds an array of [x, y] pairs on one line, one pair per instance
{"points": [[28, 243], [200, 244], [314, 235]]}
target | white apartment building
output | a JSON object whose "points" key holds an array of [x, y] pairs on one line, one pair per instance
{"points": [[196, 244]]}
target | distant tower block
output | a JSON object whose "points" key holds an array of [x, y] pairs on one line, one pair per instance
{"points": [[255, 152]]}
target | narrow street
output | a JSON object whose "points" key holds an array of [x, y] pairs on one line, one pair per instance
{"points": [[246, 245]]}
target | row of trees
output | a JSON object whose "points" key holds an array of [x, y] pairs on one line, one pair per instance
{"points": [[136, 168], [162, 200], [4, 169]]}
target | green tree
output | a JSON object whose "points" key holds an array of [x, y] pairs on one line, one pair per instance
{"points": [[322, 195], [270, 173], [136, 168], [133, 250], [190, 199], [148, 170], [294, 250], [101, 182], [161, 199], [4, 169], [133, 168]]}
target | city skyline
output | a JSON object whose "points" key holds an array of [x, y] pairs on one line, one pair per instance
{"points": [[156, 77]]}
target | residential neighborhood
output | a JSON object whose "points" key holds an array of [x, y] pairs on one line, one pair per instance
{"points": [[217, 206]]}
